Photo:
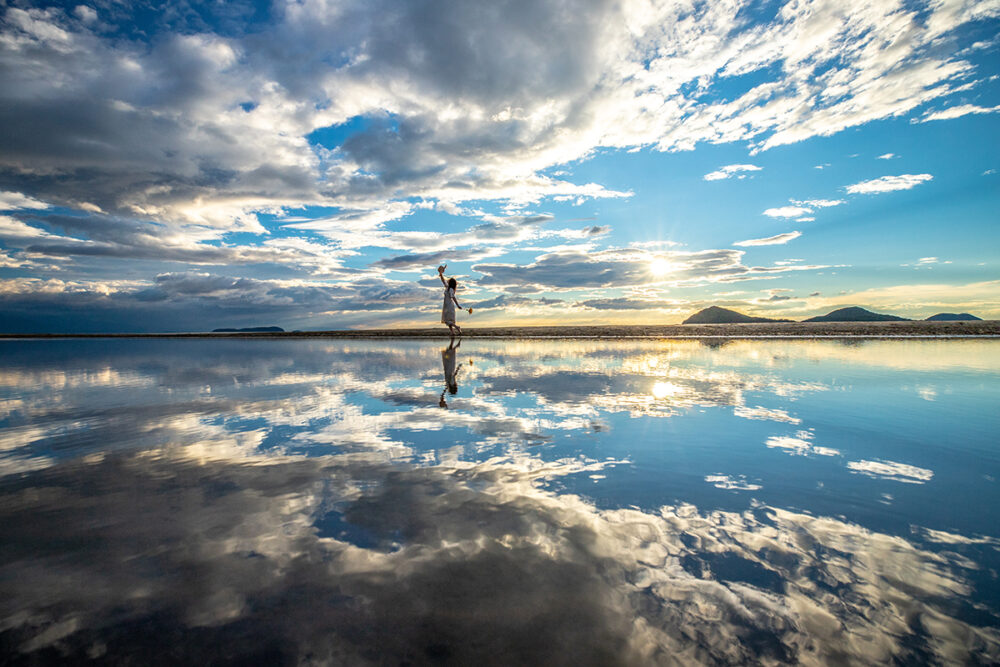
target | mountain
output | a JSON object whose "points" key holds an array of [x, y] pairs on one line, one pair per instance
{"points": [[249, 330], [716, 315], [855, 314], [953, 317]]}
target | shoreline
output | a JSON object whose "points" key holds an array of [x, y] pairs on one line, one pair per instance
{"points": [[783, 330]]}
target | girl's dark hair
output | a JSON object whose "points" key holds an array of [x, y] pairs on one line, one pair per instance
{"points": [[452, 283]]}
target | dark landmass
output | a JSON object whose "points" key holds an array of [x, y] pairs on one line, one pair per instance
{"points": [[717, 315], [953, 317], [250, 330], [855, 314], [989, 328]]}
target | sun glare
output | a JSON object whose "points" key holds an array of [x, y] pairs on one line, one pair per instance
{"points": [[659, 267], [665, 389]]}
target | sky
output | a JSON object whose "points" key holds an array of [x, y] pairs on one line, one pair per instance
{"points": [[309, 164]]}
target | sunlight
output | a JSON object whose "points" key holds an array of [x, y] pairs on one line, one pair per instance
{"points": [[659, 266], [664, 389]]}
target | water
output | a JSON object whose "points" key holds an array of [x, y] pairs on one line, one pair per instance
{"points": [[572, 502]]}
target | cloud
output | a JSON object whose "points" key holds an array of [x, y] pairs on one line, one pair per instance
{"points": [[626, 303], [731, 170], [422, 261], [888, 184], [207, 117], [777, 239], [787, 211], [200, 301], [886, 156], [192, 136], [577, 269], [957, 112], [818, 203], [10, 201], [923, 299], [110, 237], [505, 301]]}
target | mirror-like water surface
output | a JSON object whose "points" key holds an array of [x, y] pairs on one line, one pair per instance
{"points": [[502, 502]]}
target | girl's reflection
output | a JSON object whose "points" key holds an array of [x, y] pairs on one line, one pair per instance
{"points": [[449, 358]]}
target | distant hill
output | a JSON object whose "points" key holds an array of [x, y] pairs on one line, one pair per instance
{"points": [[953, 317], [855, 314], [717, 315], [249, 330]]}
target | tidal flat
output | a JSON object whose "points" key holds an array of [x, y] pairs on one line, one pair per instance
{"points": [[493, 501]]}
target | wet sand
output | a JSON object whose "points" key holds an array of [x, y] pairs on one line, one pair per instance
{"points": [[986, 328]]}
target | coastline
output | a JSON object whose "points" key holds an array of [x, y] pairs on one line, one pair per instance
{"points": [[791, 330]]}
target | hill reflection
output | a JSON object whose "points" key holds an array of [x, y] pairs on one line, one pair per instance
{"points": [[577, 503]]}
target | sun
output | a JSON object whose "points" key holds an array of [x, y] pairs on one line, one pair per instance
{"points": [[659, 267]]}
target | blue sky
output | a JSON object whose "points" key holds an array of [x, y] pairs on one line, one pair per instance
{"points": [[309, 164]]}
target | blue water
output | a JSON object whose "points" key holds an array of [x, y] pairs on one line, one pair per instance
{"points": [[548, 502]]}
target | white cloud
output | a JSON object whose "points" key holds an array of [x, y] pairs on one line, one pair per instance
{"points": [[777, 239], [449, 119], [818, 203], [957, 112], [731, 170], [888, 184], [788, 211], [886, 156], [176, 140], [10, 201]]}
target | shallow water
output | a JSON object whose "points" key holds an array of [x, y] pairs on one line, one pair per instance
{"points": [[572, 502]]}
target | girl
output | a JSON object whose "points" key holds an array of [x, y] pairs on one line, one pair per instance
{"points": [[448, 310]]}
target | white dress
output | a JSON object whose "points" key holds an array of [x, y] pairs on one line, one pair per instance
{"points": [[448, 310]]}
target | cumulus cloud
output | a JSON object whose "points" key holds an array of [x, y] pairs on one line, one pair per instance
{"points": [[731, 170], [182, 131], [208, 121], [888, 184], [777, 239]]}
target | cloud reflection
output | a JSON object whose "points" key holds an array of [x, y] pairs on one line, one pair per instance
{"points": [[326, 558], [310, 501]]}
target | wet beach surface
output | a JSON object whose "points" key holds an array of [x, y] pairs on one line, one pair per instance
{"points": [[984, 328], [571, 502]]}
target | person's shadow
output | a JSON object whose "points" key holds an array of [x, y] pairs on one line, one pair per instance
{"points": [[449, 359]]}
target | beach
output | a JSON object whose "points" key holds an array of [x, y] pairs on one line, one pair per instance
{"points": [[910, 329]]}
